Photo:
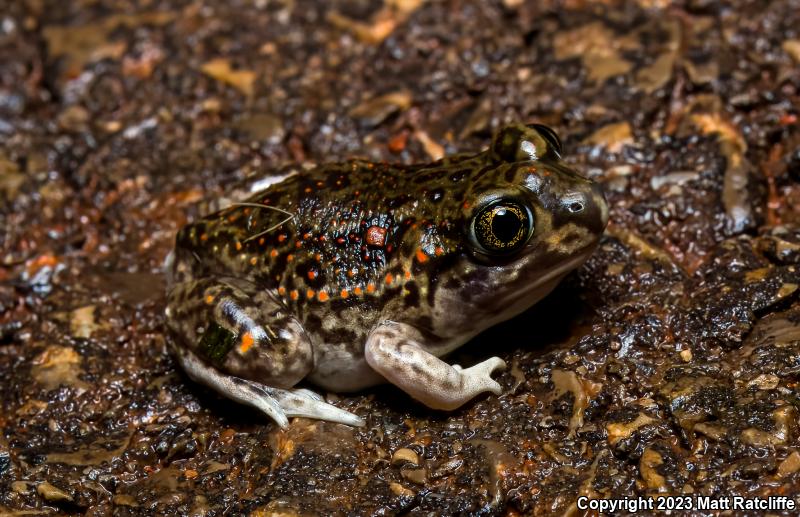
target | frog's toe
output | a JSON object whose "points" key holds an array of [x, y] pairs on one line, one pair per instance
{"points": [[479, 377], [488, 366], [305, 403], [308, 393]]}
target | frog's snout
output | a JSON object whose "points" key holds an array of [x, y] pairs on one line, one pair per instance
{"points": [[599, 199], [588, 207]]}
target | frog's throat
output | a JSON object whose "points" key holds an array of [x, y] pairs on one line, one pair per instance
{"points": [[456, 324]]}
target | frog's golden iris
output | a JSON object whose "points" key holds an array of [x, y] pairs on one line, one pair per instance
{"points": [[502, 227]]}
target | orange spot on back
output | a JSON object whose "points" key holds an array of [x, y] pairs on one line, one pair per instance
{"points": [[421, 256], [254, 261], [289, 257], [312, 274], [273, 253], [439, 251], [238, 245], [407, 274], [323, 296], [204, 237], [247, 342], [310, 294], [344, 293], [281, 290], [294, 294], [261, 241], [357, 291], [376, 236], [209, 299], [389, 278], [370, 288]]}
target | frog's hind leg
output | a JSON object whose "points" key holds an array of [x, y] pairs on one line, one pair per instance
{"points": [[235, 338], [279, 404]]}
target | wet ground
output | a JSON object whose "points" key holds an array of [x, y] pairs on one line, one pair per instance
{"points": [[668, 364]]}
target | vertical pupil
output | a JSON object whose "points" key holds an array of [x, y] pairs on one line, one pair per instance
{"points": [[505, 224]]}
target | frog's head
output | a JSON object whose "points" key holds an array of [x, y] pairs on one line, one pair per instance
{"points": [[528, 220]]}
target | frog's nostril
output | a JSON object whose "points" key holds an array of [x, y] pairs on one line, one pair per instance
{"points": [[575, 207]]}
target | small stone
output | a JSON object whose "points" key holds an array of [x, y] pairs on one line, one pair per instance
{"points": [[52, 493], [124, 500], [571, 359], [621, 430], [222, 70], [599, 48], [765, 381], [112, 126], [400, 491], [73, 118], [20, 487], [712, 431], [263, 126], [403, 456], [373, 111], [648, 468], [612, 136], [432, 148], [792, 47], [447, 468], [57, 366], [82, 322], [790, 465], [759, 438], [415, 475]]}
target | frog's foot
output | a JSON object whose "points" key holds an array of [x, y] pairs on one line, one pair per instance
{"points": [[395, 351], [279, 404]]}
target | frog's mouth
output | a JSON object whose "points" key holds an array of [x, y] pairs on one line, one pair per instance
{"points": [[515, 301], [463, 313]]}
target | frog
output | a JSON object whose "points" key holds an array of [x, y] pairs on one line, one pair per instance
{"points": [[352, 274]]}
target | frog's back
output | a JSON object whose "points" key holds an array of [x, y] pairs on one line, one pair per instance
{"points": [[336, 234]]}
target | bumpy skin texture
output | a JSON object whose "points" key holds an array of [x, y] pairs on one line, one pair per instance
{"points": [[356, 273]]}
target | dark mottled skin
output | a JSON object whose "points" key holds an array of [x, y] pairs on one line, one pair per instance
{"points": [[322, 258]]}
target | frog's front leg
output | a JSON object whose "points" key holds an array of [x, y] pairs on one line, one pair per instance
{"points": [[238, 340], [396, 351]]}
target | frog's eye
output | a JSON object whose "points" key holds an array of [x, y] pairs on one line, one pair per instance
{"points": [[502, 227], [550, 136], [516, 142]]}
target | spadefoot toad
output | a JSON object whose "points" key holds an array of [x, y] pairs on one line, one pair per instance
{"points": [[357, 273]]}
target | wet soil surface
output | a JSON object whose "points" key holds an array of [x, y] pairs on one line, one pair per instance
{"points": [[668, 364]]}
